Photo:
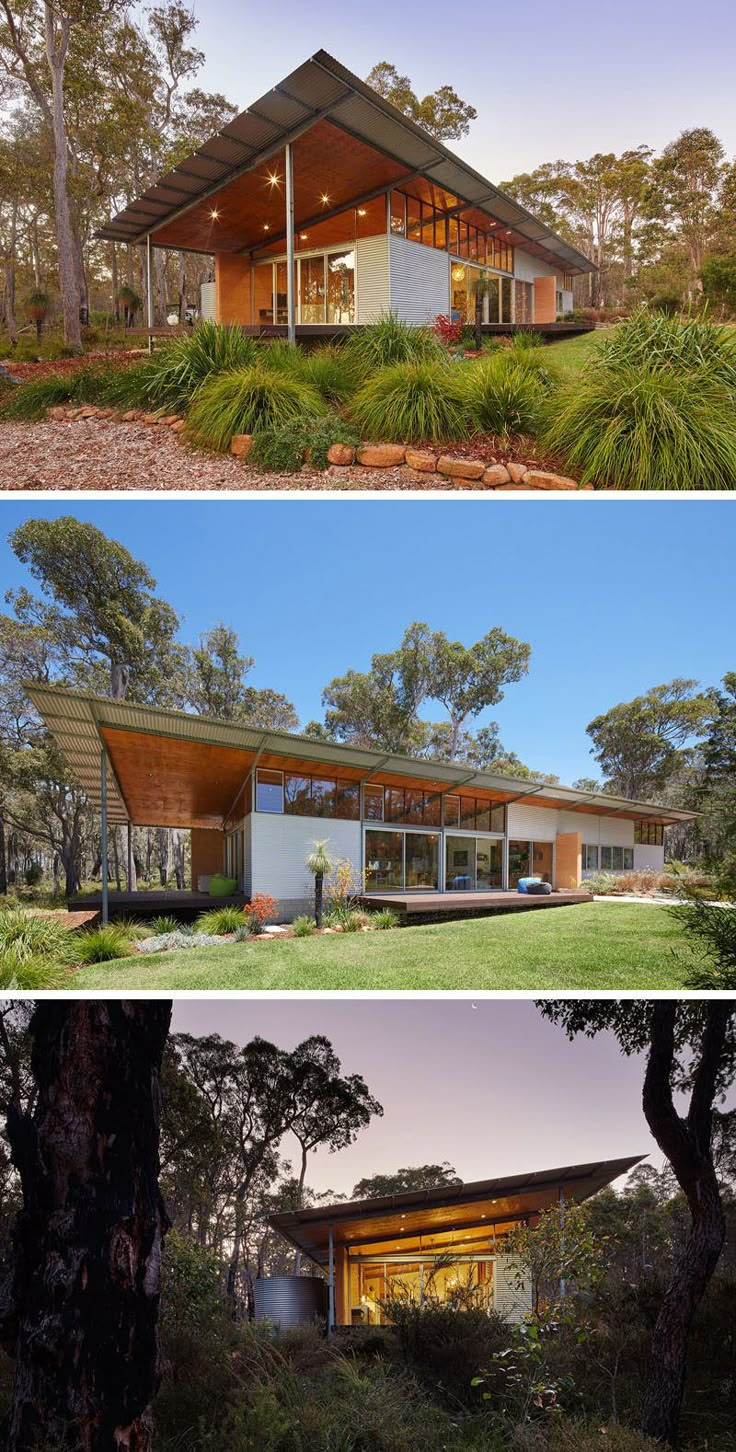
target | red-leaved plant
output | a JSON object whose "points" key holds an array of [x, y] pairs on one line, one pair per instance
{"points": [[260, 908], [449, 330]]}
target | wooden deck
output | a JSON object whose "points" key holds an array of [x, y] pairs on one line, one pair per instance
{"points": [[548, 330], [328, 332], [430, 907], [184, 905]]}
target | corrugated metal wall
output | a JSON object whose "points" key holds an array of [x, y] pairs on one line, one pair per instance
{"points": [[508, 1298], [420, 281], [371, 278], [281, 843], [207, 301]]}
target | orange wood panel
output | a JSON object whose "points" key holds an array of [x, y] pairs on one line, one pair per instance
{"points": [[171, 783], [568, 860], [232, 289], [545, 299], [327, 163], [208, 849]]}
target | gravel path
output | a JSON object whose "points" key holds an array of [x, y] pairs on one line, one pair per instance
{"points": [[107, 454]]}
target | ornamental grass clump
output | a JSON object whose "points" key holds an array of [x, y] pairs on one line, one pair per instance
{"points": [[660, 343], [103, 944], [248, 401], [388, 341], [326, 368], [220, 921], [503, 396], [643, 426], [412, 403], [186, 362]]}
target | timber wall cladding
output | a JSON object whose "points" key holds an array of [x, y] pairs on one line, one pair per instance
{"points": [[545, 299], [232, 289], [207, 853]]}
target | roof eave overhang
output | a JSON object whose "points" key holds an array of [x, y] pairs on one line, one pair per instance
{"points": [[323, 89], [76, 721]]}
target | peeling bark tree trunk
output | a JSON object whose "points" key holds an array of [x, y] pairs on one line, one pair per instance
{"points": [[687, 1145], [57, 45], [83, 1312], [3, 859]]}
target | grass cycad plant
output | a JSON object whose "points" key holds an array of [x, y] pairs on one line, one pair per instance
{"points": [[503, 395], [412, 402], [248, 401], [319, 865], [638, 426]]}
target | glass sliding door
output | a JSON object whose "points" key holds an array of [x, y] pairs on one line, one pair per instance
{"points": [[459, 864], [313, 291], [384, 860], [520, 861], [341, 287], [422, 860], [488, 864]]}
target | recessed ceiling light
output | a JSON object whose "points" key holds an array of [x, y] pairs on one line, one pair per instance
{"points": [[266, 227], [361, 211], [324, 199], [214, 215], [303, 236], [273, 179]]}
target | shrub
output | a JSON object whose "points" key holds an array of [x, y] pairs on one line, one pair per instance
{"points": [[220, 921], [242, 933], [260, 908], [284, 450], [134, 928], [165, 924], [18, 971], [347, 919], [603, 884], [387, 918], [303, 926], [449, 330], [101, 945], [186, 362], [411, 402], [712, 932], [502, 395], [644, 426], [180, 938], [325, 368], [389, 341], [248, 401], [26, 937], [657, 342]]}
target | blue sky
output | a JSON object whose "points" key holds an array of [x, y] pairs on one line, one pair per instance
{"points": [[614, 596], [546, 81]]}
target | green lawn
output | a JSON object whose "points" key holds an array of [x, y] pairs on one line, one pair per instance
{"points": [[570, 354], [597, 945]]}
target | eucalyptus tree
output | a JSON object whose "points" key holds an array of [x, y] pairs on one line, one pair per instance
{"points": [[689, 1048]]}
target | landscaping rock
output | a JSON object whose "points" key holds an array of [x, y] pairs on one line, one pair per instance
{"points": [[497, 474], [131, 415], [381, 456], [421, 459], [420, 476], [461, 468], [342, 454], [88, 411], [170, 420], [59, 412], [150, 419], [241, 445], [540, 479], [179, 426], [516, 472]]}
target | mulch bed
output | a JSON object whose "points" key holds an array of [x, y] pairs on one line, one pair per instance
{"points": [[26, 371]]}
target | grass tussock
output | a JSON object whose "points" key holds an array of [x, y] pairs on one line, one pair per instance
{"points": [[248, 401], [186, 362], [503, 395], [220, 921], [634, 426], [389, 341], [412, 402], [103, 944]]}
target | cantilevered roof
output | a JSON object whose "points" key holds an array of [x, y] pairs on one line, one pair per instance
{"points": [[323, 91], [449, 1210], [169, 768]]}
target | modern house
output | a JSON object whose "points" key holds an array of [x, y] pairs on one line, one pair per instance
{"points": [[430, 837], [446, 1243], [323, 207]]}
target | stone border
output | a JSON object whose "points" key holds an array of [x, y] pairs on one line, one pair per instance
{"points": [[425, 466], [422, 466]]}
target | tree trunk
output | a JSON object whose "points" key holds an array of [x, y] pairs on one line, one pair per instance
{"points": [[178, 854], [57, 44], [160, 276], [297, 1266], [687, 1145], [163, 854], [83, 1310], [10, 320], [56, 874], [114, 282], [3, 859], [319, 881]]}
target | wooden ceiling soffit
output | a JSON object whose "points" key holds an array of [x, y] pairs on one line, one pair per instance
{"points": [[171, 782]]}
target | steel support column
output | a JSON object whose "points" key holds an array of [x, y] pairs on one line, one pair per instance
{"points": [[331, 1284], [130, 856], [290, 295], [103, 830], [149, 289]]}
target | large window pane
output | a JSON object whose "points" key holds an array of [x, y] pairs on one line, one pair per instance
{"points": [[348, 801], [269, 791], [519, 861], [398, 213], [383, 860], [313, 289], [263, 293], [482, 817], [422, 859], [373, 803], [413, 219], [506, 287], [452, 811], [297, 795], [413, 805], [432, 811], [394, 806], [498, 819], [489, 864], [323, 797], [459, 864], [341, 287], [467, 813]]}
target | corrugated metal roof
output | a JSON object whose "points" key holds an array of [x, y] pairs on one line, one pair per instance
{"points": [[75, 719], [322, 88]]}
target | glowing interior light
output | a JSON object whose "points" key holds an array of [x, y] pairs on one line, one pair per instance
{"points": [[361, 211], [324, 199], [303, 236], [266, 227], [273, 179], [214, 215]]}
